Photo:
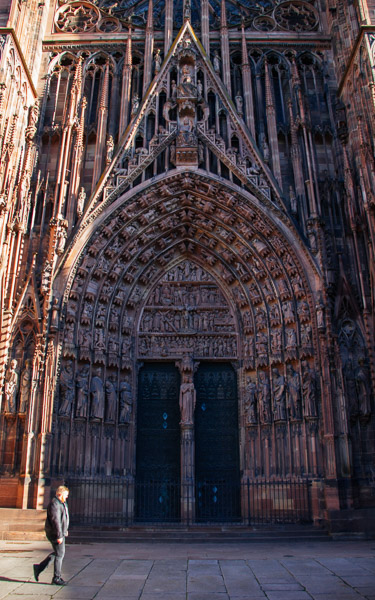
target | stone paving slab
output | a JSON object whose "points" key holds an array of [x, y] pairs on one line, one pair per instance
{"points": [[294, 571], [81, 592]]}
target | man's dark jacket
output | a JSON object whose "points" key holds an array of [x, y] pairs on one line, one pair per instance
{"points": [[57, 521]]}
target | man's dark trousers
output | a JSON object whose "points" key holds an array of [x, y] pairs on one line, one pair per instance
{"points": [[58, 555]]}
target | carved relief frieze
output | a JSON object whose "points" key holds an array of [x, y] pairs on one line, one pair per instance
{"points": [[185, 303]]}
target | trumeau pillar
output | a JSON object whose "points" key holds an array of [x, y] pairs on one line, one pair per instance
{"points": [[247, 86], [168, 25], [149, 47], [225, 48], [126, 85], [187, 408], [271, 126], [205, 26]]}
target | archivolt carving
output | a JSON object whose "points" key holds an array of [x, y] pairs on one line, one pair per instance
{"points": [[237, 268]]}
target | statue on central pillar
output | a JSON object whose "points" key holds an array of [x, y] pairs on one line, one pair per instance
{"points": [[188, 399]]}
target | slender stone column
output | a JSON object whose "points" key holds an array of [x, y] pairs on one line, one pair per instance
{"points": [[168, 25], [187, 408], [205, 26], [247, 85], [66, 140], [271, 126], [42, 460], [149, 48], [225, 48], [311, 188], [102, 128], [296, 156], [126, 85]]}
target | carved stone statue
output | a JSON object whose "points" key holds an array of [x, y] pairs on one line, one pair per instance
{"points": [[294, 393], [111, 400], [61, 235], [293, 200], [126, 402], [11, 387], [82, 385], [199, 89], [135, 104], [279, 390], [81, 201], [320, 316], [264, 397], [46, 277], [308, 390], [110, 148], [251, 402], [187, 401], [168, 105], [66, 390], [362, 380], [25, 385], [351, 388], [157, 59], [97, 396], [186, 86], [173, 90], [266, 151], [239, 103], [216, 62]]}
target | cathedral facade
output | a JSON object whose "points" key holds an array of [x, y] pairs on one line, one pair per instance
{"points": [[187, 219]]}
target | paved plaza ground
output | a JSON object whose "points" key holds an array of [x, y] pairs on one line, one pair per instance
{"points": [[300, 570]]}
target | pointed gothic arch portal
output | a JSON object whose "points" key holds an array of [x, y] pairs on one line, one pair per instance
{"points": [[187, 454], [187, 272]]}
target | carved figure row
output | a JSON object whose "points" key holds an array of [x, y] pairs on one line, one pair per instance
{"points": [[99, 399], [187, 320], [289, 397], [17, 387], [183, 295], [200, 346]]}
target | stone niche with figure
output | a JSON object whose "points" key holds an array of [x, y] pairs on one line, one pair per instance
{"points": [[187, 99]]}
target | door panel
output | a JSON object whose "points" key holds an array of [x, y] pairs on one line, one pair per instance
{"points": [[158, 443], [216, 444]]}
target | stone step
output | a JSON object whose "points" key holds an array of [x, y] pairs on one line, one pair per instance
{"points": [[193, 535], [18, 524]]}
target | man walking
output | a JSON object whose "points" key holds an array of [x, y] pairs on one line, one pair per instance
{"points": [[56, 527]]}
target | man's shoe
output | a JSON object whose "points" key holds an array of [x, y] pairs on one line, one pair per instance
{"points": [[36, 572], [58, 581]]}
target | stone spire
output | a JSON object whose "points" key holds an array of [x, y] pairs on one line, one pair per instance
{"points": [[102, 128], [187, 10], [168, 25], [149, 47], [126, 84], [205, 24], [247, 84], [225, 48], [271, 126]]}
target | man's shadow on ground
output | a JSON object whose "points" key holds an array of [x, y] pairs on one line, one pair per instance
{"points": [[18, 580]]}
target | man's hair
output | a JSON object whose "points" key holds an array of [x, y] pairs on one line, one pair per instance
{"points": [[61, 489]]}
